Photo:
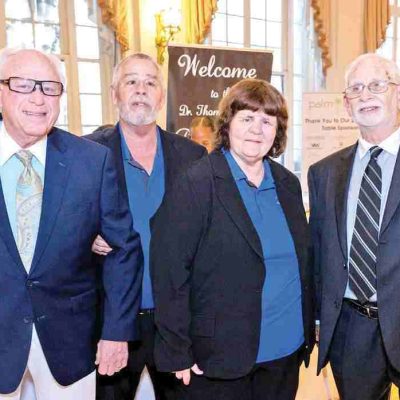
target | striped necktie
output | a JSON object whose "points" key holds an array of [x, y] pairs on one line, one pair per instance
{"points": [[28, 208], [364, 243]]}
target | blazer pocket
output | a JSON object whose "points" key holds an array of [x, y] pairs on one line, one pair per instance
{"points": [[84, 301], [203, 325]]}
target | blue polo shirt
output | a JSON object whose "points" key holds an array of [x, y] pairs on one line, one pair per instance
{"points": [[281, 319], [145, 194]]}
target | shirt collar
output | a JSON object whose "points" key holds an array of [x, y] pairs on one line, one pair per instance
{"points": [[126, 155], [390, 145], [238, 174], [8, 147]]}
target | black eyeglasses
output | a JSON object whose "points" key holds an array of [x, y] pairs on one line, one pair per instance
{"points": [[22, 85], [375, 87]]}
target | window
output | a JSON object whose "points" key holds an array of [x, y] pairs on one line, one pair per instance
{"points": [[390, 48], [69, 29], [280, 26]]}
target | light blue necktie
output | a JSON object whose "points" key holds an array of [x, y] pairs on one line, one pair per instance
{"points": [[28, 208]]}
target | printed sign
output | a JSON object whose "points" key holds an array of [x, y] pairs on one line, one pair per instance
{"points": [[199, 76]]}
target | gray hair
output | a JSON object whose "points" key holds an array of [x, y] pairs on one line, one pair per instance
{"points": [[7, 52], [136, 56], [389, 66]]}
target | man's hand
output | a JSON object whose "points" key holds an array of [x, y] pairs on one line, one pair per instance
{"points": [[100, 246], [184, 375], [111, 356]]}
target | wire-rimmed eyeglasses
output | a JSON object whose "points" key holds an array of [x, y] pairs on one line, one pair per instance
{"points": [[374, 87]]}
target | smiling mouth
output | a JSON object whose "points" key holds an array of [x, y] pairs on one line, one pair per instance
{"points": [[35, 113], [368, 109]]}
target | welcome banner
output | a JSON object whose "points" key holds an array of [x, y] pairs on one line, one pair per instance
{"points": [[199, 76]]}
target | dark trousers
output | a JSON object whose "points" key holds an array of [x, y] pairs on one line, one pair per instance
{"points": [[272, 380], [359, 363], [122, 386]]}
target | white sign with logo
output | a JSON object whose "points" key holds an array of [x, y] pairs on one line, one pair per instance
{"points": [[326, 128]]}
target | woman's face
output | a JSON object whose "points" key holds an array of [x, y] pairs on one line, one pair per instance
{"points": [[251, 135]]}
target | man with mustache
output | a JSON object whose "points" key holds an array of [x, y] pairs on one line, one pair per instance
{"points": [[355, 221], [148, 160]]}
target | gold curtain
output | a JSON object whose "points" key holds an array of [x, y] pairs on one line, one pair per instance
{"points": [[196, 17], [322, 15], [114, 14], [376, 20]]}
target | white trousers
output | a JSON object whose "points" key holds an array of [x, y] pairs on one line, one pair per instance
{"points": [[38, 382]]}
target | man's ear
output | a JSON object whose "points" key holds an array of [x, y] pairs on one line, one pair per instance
{"points": [[346, 104], [114, 95], [398, 96]]}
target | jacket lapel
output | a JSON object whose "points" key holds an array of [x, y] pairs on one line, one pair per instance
{"points": [[56, 173], [112, 139], [230, 198], [341, 189], [290, 200], [172, 159], [6, 232], [393, 196]]}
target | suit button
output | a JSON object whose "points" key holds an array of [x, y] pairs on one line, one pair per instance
{"points": [[344, 266], [28, 320], [41, 318], [337, 303], [29, 283]]}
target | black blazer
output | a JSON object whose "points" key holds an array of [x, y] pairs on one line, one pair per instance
{"points": [[178, 153], [329, 181], [208, 270]]}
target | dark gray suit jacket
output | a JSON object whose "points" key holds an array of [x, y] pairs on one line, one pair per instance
{"points": [[329, 181]]}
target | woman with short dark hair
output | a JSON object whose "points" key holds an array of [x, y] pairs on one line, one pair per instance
{"points": [[232, 278]]}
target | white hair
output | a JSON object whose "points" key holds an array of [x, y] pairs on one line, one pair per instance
{"points": [[136, 56], [7, 52], [389, 66]]}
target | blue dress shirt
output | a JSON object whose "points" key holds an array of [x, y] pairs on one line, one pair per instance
{"points": [[282, 330], [145, 194], [11, 169]]}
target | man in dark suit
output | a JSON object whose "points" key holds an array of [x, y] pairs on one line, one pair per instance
{"points": [[355, 220], [148, 160], [57, 193]]}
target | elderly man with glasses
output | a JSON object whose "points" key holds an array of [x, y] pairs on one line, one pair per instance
{"points": [[57, 192], [355, 221]]}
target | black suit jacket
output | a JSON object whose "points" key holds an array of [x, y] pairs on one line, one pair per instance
{"points": [[178, 153], [208, 270], [329, 181]]}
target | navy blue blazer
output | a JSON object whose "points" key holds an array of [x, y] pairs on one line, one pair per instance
{"points": [[81, 199]]}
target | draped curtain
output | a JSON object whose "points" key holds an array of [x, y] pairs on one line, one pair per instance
{"points": [[376, 20], [322, 15], [196, 19], [114, 14]]}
